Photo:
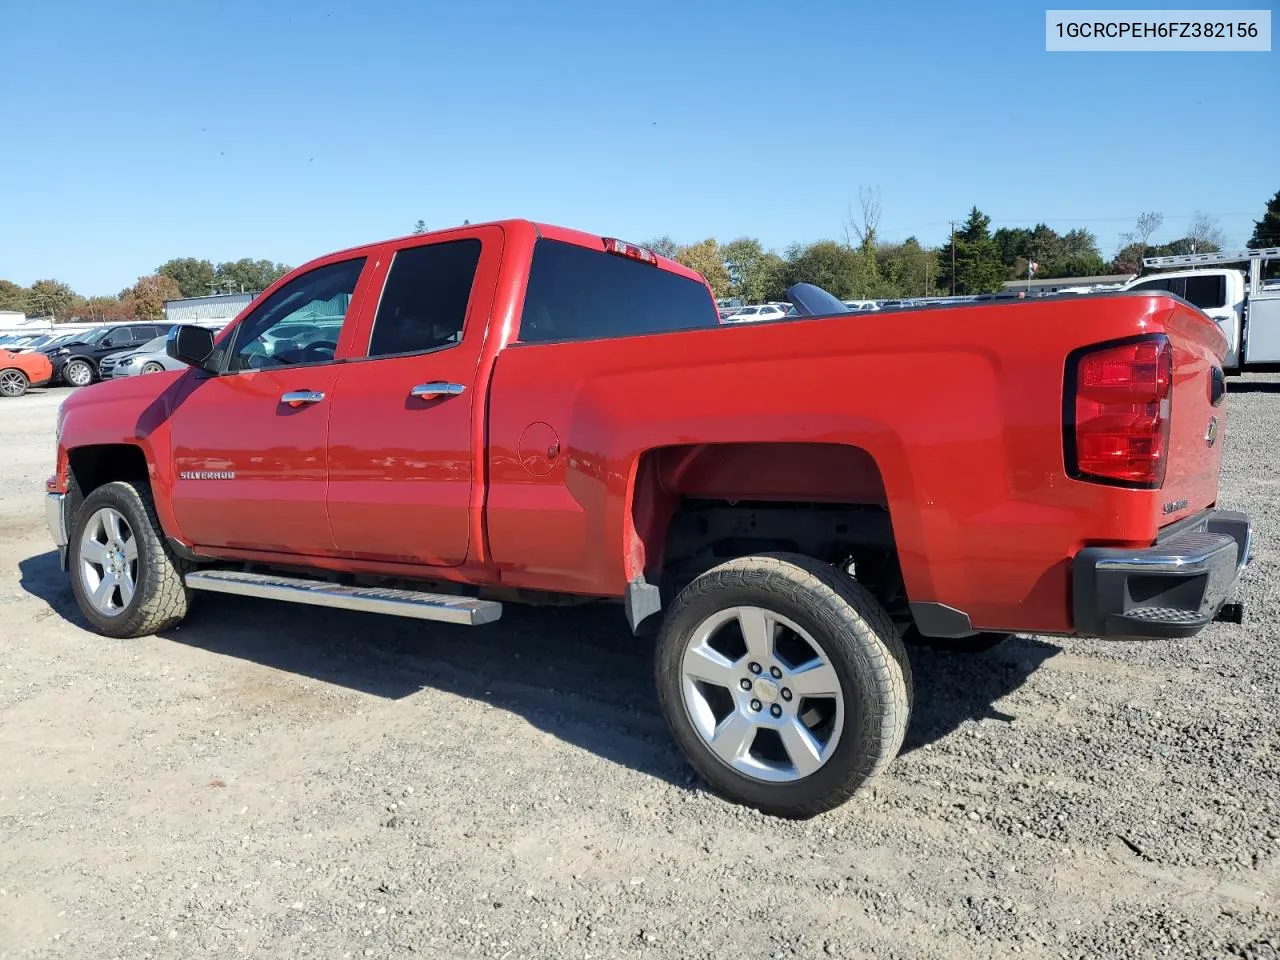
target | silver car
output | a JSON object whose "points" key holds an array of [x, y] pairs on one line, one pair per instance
{"points": [[148, 358]]}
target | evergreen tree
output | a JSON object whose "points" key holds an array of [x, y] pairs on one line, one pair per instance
{"points": [[1266, 232]]}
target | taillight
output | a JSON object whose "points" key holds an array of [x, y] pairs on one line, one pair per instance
{"points": [[1118, 399]]}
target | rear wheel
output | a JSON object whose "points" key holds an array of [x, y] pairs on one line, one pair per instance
{"points": [[784, 683], [13, 383], [78, 373], [126, 580]]}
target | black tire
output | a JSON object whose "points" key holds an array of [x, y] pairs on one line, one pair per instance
{"points": [[13, 383], [160, 598], [976, 643], [152, 368], [857, 638], [78, 379]]}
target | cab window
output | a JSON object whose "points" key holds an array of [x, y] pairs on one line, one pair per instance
{"points": [[299, 323]]}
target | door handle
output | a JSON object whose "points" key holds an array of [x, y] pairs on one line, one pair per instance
{"points": [[438, 388], [300, 398]]}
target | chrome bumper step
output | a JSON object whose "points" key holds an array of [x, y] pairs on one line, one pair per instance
{"points": [[445, 608]]}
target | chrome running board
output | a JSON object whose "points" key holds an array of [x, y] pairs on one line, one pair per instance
{"points": [[321, 593]]}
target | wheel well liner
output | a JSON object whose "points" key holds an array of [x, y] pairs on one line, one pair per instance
{"points": [[95, 465], [801, 475]]}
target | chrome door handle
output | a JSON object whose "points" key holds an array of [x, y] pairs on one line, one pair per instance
{"points": [[299, 398], [438, 388]]}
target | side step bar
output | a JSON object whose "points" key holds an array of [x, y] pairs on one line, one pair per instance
{"points": [[401, 603]]}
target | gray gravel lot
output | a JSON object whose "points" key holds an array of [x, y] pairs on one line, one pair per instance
{"points": [[288, 782]]}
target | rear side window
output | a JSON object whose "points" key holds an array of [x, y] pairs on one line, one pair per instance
{"points": [[1207, 291], [580, 294], [424, 302]]}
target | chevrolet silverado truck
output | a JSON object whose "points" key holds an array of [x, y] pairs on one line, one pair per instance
{"points": [[513, 412]]}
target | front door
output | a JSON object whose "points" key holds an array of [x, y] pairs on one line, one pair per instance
{"points": [[401, 428], [249, 459]]}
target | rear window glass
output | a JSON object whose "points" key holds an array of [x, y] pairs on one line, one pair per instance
{"points": [[580, 294], [1207, 291]]}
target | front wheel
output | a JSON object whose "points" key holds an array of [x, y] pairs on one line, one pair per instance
{"points": [[78, 373], [784, 683], [126, 580], [13, 383], [152, 367]]}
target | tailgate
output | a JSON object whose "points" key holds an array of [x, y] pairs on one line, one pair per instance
{"points": [[1198, 415]]}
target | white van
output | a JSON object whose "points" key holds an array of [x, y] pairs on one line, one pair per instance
{"points": [[1244, 300]]}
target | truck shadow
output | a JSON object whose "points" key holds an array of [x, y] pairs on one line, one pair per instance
{"points": [[575, 672]]}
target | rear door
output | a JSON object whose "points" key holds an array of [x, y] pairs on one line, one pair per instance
{"points": [[405, 417]]}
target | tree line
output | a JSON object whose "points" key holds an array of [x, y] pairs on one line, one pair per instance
{"points": [[974, 259], [144, 300], [859, 266]]}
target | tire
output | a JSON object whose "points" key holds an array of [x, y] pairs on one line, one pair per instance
{"points": [[78, 373], [152, 368], [13, 383], [158, 598], [976, 643], [852, 734]]}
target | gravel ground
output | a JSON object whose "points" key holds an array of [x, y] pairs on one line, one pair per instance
{"points": [[287, 782]]}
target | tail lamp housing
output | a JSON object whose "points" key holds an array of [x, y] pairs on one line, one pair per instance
{"points": [[1117, 403]]}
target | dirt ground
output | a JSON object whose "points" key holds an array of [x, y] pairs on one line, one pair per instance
{"points": [[277, 781]]}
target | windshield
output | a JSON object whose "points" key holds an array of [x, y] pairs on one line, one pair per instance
{"points": [[153, 346], [92, 336]]}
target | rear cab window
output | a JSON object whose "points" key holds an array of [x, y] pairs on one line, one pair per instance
{"points": [[576, 293]]}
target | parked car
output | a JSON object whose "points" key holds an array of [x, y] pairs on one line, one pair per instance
{"points": [[76, 361], [526, 412], [151, 357], [18, 371], [765, 311]]}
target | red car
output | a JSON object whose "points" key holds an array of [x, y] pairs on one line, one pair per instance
{"points": [[18, 371], [507, 412]]}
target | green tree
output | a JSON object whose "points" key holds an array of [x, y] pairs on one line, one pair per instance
{"points": [[664, 246], [420, 227], [248, 276], [48, 298], [907, 269], [755, 274], [195, 278], [977, 259], [1266, 232], [13, 297], [707, 258], [147, 296], [835, 267]]}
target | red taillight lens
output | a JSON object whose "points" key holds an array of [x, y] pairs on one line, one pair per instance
{"points": [[1122, 395]]}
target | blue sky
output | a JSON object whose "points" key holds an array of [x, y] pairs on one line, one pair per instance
{"points": [[144, 131]]}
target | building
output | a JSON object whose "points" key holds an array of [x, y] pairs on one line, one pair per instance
{"points": [[216, 310], [1042, 288]]}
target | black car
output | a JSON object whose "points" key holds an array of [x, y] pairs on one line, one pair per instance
{"points": [[76, 362]]}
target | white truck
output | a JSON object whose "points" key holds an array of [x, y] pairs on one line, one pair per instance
{"points": [[1240, 291]]}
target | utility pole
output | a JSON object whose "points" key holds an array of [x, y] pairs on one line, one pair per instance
{"points": [[953, 257]]}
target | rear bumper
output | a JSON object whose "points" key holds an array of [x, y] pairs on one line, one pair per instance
{"points": [[1172, 589]]}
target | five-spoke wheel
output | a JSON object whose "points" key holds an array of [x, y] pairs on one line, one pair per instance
{"points": [[783, 681], [109, 561], [762, 694]]}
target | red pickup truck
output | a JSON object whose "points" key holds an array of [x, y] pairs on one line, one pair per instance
{"points": [[434, 425]]}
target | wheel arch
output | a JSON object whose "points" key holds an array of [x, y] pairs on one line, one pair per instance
{"points": [[722, 500]]}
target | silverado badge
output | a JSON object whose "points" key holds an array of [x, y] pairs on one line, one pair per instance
{"points": [[207, 475]]}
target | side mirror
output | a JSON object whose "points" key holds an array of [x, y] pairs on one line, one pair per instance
{"points": [[108, 342], [191, 344]]}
